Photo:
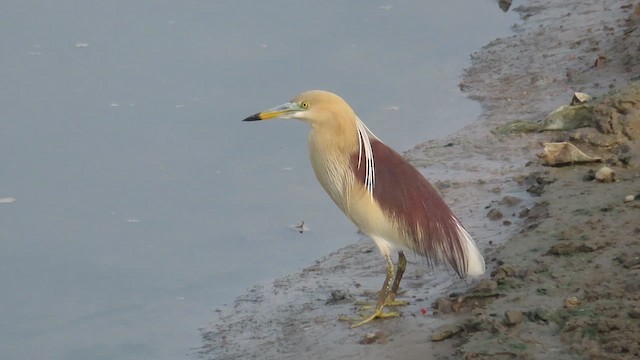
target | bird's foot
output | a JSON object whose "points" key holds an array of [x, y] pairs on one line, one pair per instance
{"points": [[376, 315], [396, 303], [365, 305]]}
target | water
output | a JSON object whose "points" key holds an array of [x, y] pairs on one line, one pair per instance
{"points": [[142, 202]]}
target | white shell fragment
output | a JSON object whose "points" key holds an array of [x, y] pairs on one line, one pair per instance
{"points": [[579, 98], [605, 174], [563, 153]]}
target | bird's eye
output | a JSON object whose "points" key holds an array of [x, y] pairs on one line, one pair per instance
{"points": [[304, 104]]}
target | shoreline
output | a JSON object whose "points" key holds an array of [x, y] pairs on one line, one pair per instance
{"points": [[520, 78]]}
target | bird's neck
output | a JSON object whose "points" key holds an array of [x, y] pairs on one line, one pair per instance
{"points": [[330, 151]]}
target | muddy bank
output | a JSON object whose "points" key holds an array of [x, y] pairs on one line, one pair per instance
{"points": [[566, 286], [562, 248]]}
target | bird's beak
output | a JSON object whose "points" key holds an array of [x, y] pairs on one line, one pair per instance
{"points": [[284, 111]]}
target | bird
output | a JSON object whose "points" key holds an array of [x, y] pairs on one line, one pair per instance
{"points": [[385, 196]]}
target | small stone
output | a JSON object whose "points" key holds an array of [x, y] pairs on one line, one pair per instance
{"points": [[510, 201], [338, 297], [540, 314], [605, 174], [524, 213], [494, 214], [571, 302], [589, 176], [629, 260], [504, 271], [370, 338], [629, 198], [569, 248], [443, 305], [486, 285], [446, 331], [512, 317], [634, 313]]}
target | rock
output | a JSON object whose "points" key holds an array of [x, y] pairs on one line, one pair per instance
{"points": [[605, 174], [629, 198], [536, 183], [593, 137], [486, 285], [629, 260], [568, 117], [504, 271], [568, 248], [504, 5], [571, 302], [589, 176], [564, 153], [513, 317], [446, 331], [339, 296], [540, 314], [443, 305], [494, 214], [634, 313], [562, 249], [370, 338], [510, 201]]}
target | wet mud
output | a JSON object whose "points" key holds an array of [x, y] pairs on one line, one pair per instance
{"points": [[562, 245]]}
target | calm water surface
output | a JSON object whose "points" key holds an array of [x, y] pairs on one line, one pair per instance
{"points": [[141, 200]]}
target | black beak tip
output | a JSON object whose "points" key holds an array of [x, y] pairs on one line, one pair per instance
{"points": [[254, 117]]}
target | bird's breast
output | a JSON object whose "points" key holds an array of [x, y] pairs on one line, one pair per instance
{"points": [[338, 174]]}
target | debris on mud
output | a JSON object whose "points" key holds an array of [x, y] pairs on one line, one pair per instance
{"points": [[445, 332], [563, 153]]}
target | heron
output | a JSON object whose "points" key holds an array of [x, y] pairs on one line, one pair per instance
{"points": [[385, 196]]}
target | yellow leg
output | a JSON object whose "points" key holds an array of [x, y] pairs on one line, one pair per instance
{"points": [[400, 268], [382, 296]]}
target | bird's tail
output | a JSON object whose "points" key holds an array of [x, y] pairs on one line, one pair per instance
{"points": [[475, 260]]}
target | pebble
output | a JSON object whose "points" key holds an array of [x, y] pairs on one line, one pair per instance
{"points": [[605, 174], [339, 296], [504, 271], [446, 331], [494, 214], [634, 313], [510, 201], [512, 317], [571, 302], [370, 338], [486, 285], [443, 306], [629, 198]]}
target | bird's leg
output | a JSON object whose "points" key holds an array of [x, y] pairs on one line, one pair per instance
{"points": [[382, 296], [400, 268]]}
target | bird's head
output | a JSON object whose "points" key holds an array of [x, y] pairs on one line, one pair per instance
{"points": [[317, 107]]}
